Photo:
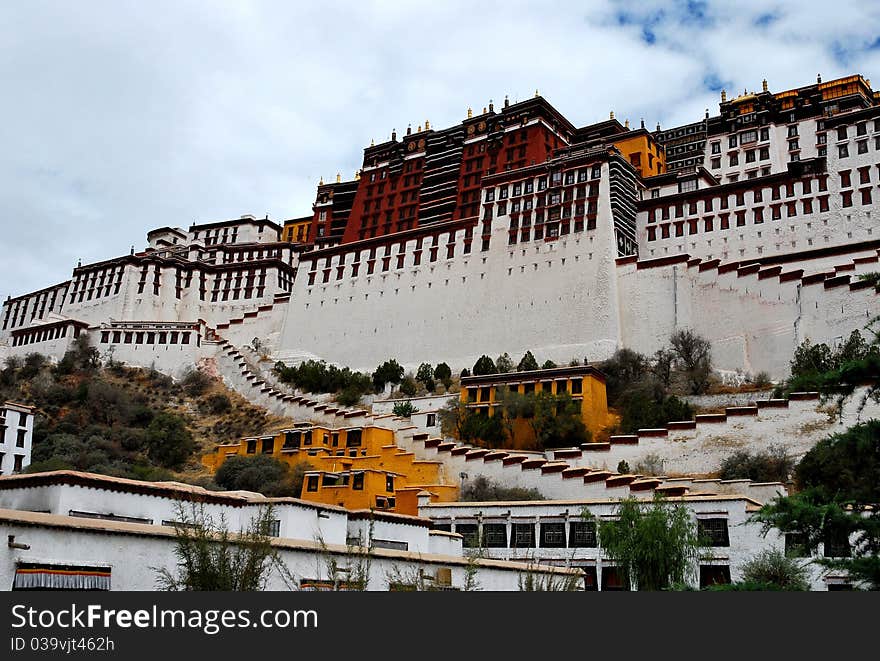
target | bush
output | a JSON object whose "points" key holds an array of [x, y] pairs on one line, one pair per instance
{"points": [[693, 355], [623, 467], [504, 363], [262, 474], [318, 376], [168, 440], [647, 407], [624, 369], [404, 409], [216, 403], [772, 569], [409, 386], [771, 465], [195, 383], [548, 365], [482, 489], [349, 396]]}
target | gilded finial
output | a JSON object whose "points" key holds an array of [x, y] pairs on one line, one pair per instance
{"points": [[491, 106], [419, 130], [611, 115], [470, 112], [427, 125], [536, 93], [764, 85], [321, 181], [484, 110], [626, 124], [818, 77], [357, 175], [409, 129], [394, 135], [723, 96], [372, 142], [338, 178], [506, 101]]}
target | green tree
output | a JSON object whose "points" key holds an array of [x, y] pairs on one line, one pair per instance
{"points": [[504, 363], [443, 373], [409, 386], [646, 406], [482, 489], [425, 374], [211, 558], [557, 421], [168, 440], [484, 365], [404, 409], [262, 474], [771, 465], [548, 365], [654, 544], [693, 354], [388, 372], [527, 363]]}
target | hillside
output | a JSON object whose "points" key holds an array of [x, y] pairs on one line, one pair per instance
{"points": [[128, 422]]}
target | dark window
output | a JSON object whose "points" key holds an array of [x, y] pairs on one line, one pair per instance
{"points": [[553, 535], [713, 532], [523, 535], [18, 460], [353, 438], [268, 445], [312, 483], [495, 535], [796, 545], [19, 441], [357, 482], [714, 575], [252, 447], [582, 534], [470, 534], [612, 580], [836, 545], [389, 483]]}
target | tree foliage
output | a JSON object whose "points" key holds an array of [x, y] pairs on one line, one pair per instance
{"points": [[443, 373], [169, 441], [404, 409], [425, 374], [388, 372], [262, 474], [482, 489], [319, 377], [774, 464], [504, 363], [693, 354], [211, 558], [527, 363], [772, 569], [653, 544], [484, 365]]}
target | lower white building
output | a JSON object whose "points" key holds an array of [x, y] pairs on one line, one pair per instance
{"points": [[72, 530], [16, 437], [565, 533]]}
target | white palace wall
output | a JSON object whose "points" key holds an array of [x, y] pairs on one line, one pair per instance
{"points": [[557, 299]]}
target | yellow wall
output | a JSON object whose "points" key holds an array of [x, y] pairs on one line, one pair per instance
{"points": [[328, 452], [651, 156], [594, 405], [296, 232]]}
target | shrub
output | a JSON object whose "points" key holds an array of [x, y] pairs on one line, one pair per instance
{"points": [[548, 365], [622, 466], [409, 386], [262, 474], [195, 383], [693, 354], [647, 407], [482, 488], [772, 465], [772, 569], [349, 396], [404, 409], [168, 441], [504, 363], [624, 369], [216, 403]]}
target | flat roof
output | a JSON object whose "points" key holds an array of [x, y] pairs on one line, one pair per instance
{"points": [[175, 490], [597, 501], [101, 526], [537, 375]]}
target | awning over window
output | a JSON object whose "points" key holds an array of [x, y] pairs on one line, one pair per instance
{"points": [[32, 576]]}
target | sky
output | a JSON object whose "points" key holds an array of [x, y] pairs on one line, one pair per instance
{"points": [[119, 116]]}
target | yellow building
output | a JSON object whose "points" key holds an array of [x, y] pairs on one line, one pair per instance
{"points": [[585, 384], [640, 148], [354, 467], [297, 230]]}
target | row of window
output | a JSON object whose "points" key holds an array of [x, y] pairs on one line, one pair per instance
{"points": [[556, 178], [554, 534], [42, 335], [16, 313], [147, 337], [17, 462]]}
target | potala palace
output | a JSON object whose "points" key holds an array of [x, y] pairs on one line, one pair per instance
{"points": [[511, 231], [516, 230]]}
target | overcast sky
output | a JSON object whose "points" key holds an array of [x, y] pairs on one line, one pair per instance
{"points": [[118, 117]]}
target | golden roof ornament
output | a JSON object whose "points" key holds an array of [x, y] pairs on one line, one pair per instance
{"points": [[321, 181], [372, 142], [427, 125], [470, 112], [419, 129], [626, 124], [536, 93], [764, 85], [611, 115], [723, 96], [338, 178]]}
